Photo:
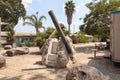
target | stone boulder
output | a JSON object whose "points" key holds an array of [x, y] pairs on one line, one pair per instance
{"points": [[3, 52], [55, 54], [62, 59], [17, 51], [2, 61], [10, 52], [7, 47], [84, 72], [75, 39], [21, 50]]}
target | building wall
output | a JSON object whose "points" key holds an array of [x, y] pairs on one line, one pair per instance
{"points": [[115, 37], [25, 41], [25, 37]]}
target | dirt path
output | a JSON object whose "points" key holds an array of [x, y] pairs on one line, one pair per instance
{"points": [[28, 67]]}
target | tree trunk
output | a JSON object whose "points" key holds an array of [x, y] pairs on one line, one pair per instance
{"points": [[12, 30], [69, 29], [37, 29]]}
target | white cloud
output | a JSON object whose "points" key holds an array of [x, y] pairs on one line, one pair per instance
{"points": [[78, 7], [75, 26], [83, 4], [63, 8], [23, 28], [26, 3]]}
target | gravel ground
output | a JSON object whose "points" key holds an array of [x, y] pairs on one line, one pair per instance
{"points": [[28, 67]]}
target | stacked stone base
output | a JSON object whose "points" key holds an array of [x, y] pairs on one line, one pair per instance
{"points": [[54, 53]]}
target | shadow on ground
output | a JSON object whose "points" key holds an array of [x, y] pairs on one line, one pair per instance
{"points": [[12, 78], [106, 67], [54, 74], [22, 77], [86, 49]]}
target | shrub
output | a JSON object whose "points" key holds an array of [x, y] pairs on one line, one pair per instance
{"points": [[10, 37], [82, 37], [40, 39], [95, 39]]}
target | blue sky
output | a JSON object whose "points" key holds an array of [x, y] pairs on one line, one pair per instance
{"points": [[43, 6]]}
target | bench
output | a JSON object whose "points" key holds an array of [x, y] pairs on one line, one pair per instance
{"points": [[95, 51], [98, 47]]}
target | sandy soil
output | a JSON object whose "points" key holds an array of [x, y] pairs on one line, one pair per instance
{"points": [[28, 67]]}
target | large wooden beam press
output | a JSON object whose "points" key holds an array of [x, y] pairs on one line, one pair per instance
{"points": [[60, 32]]}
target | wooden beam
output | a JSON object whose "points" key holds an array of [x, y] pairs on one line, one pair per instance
{"points": [[60, 32]]}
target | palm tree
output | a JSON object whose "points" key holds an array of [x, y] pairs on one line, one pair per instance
{"points": [[34, 21], [69, 10]]}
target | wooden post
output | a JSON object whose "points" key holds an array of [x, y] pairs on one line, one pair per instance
{"points": [[60, 32]]}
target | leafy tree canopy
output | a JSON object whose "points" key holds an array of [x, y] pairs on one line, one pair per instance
{"points": [[11, 10], [41, 37], [97, 22]]}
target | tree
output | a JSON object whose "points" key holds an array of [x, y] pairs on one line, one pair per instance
{"points": [[33, 20], [11, 10], [97, 22], [63, 29], [49, 31], [69, 10], [41, 37]]}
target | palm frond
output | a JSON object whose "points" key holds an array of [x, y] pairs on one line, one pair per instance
{"points": [[28, 23], [34, 17], [38, 24], [42, 17], [69, 7], [34, 21], [29, 19]]}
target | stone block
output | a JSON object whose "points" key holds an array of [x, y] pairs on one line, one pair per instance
{"points": [[85, 72], [2, 61]]}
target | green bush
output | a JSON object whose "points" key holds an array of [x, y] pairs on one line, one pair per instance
{"points": [[10, 37], [49, 31], [40, 39], [95, 39], [82, 37], [22, 44]]}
